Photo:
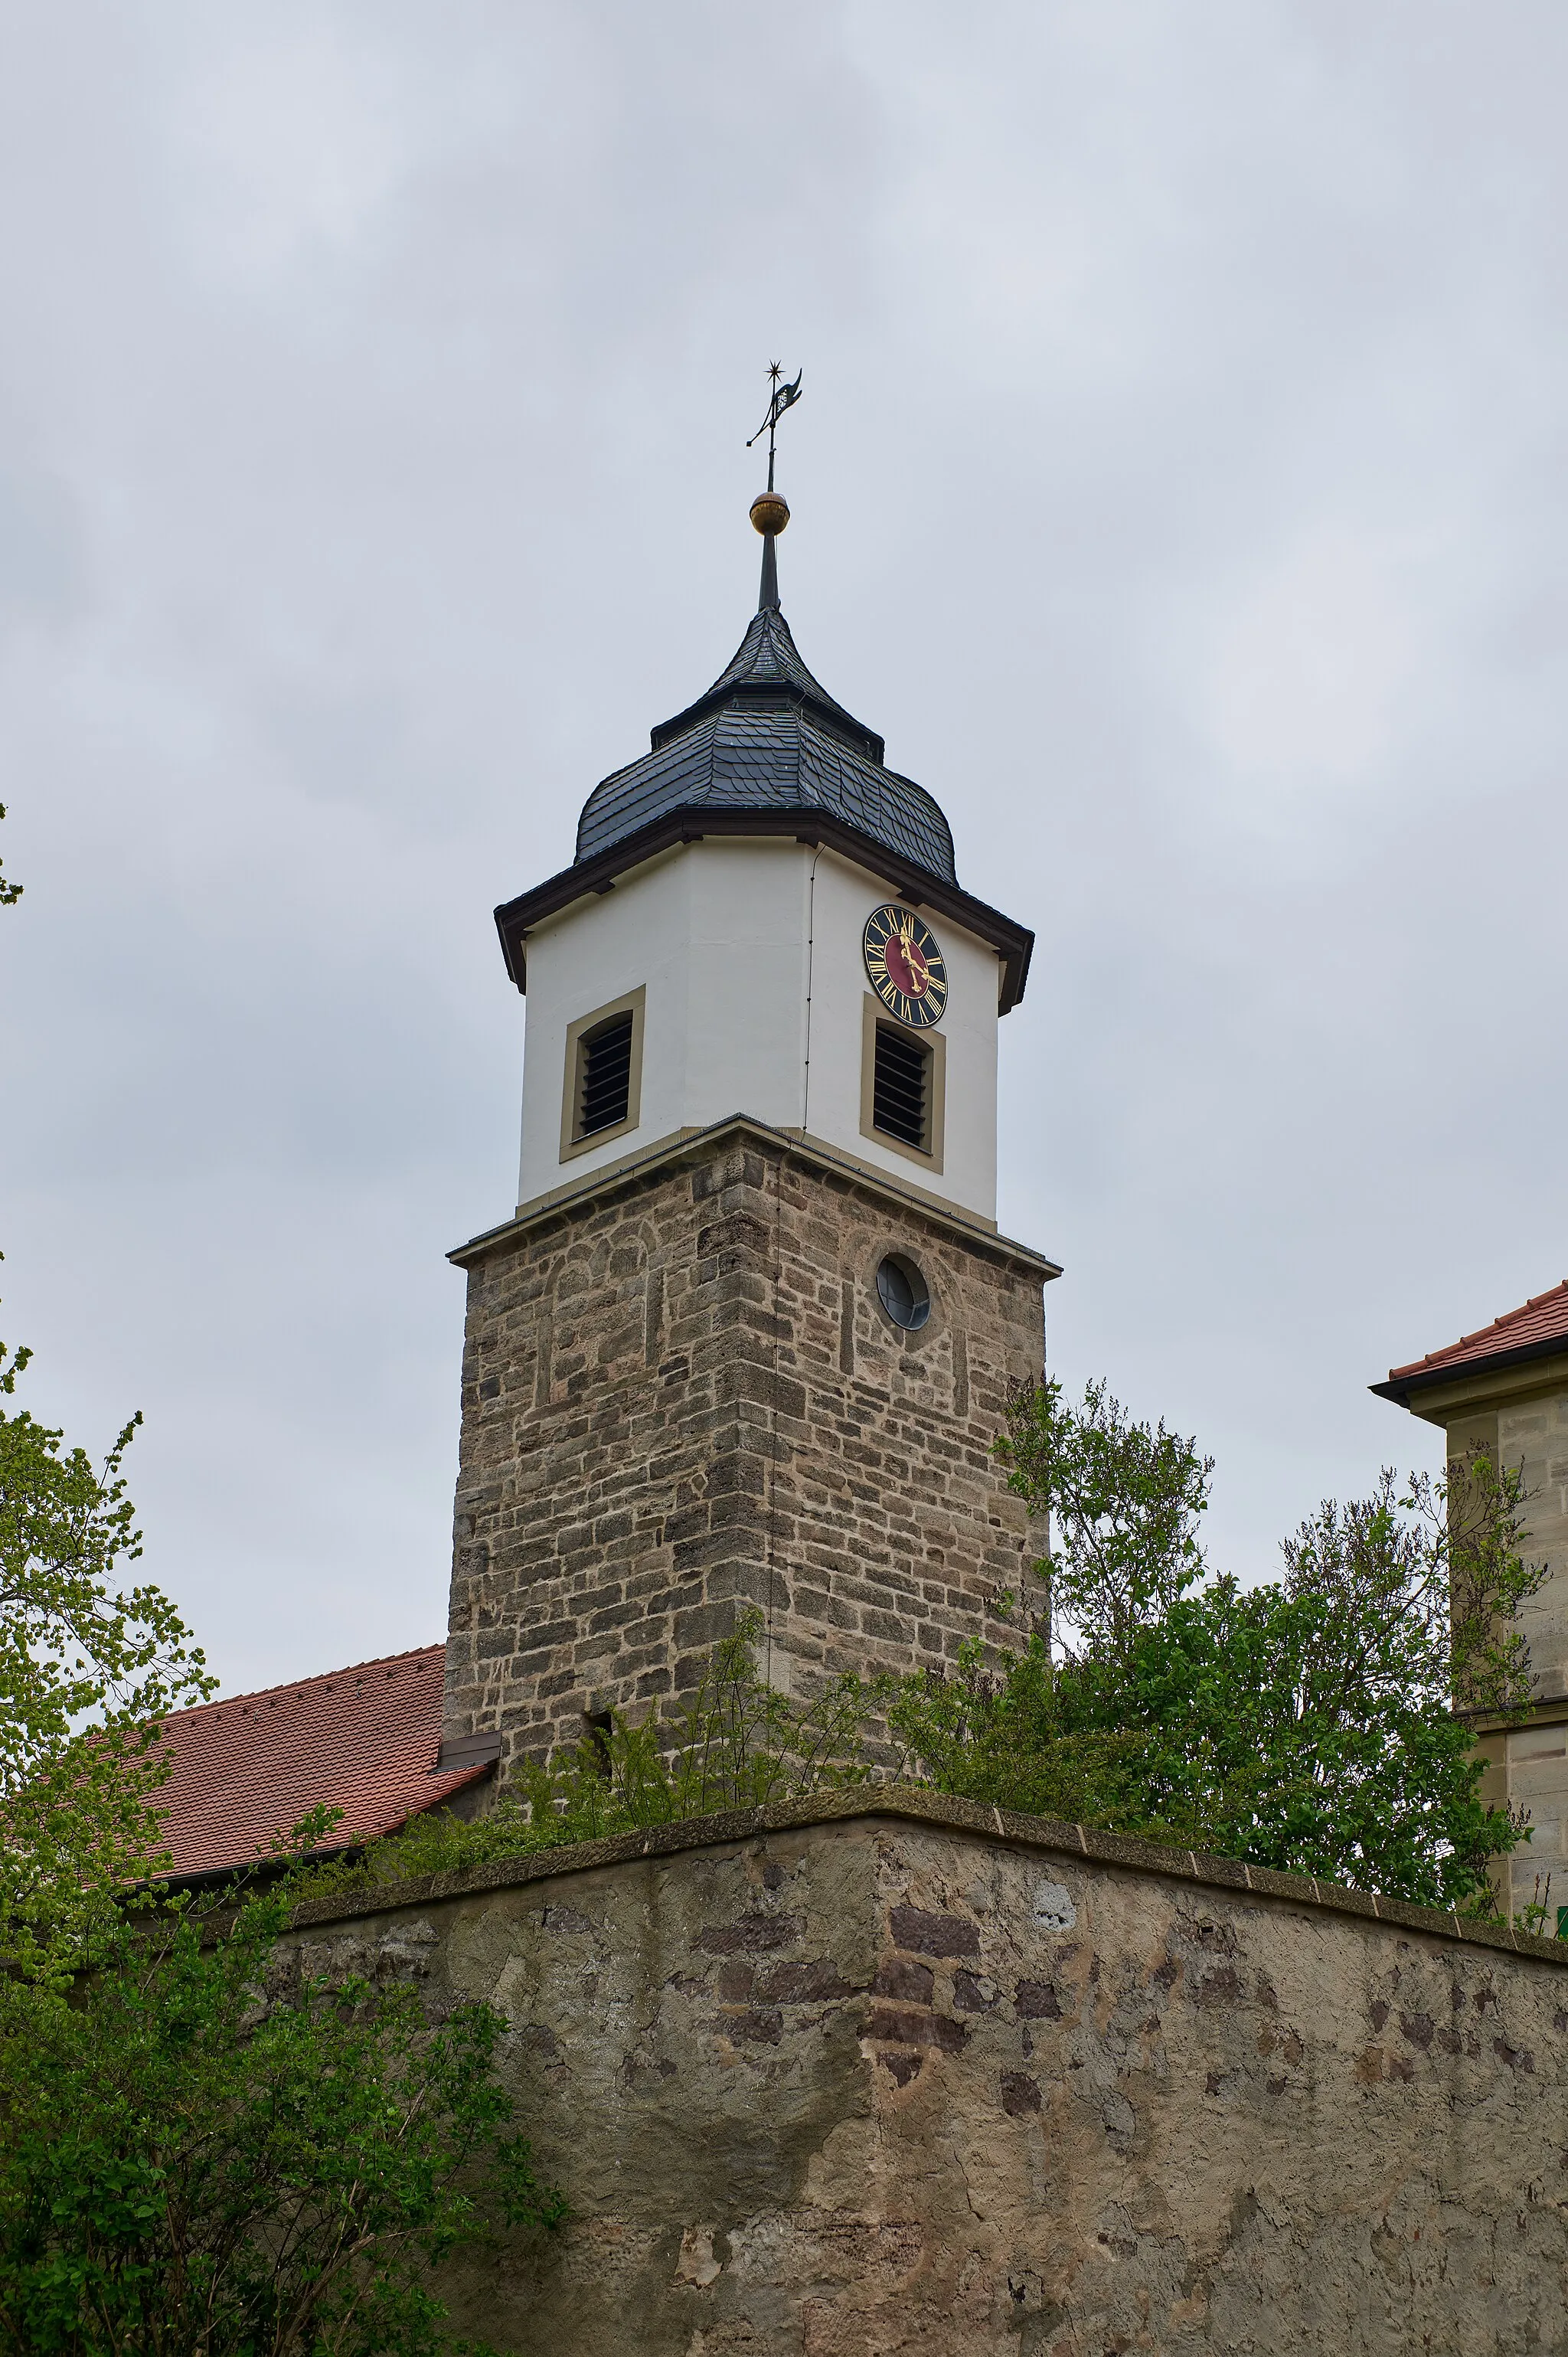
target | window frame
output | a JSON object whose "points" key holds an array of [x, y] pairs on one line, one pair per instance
{"points": [[876, 1016], [578, 1035], [907, 1266]]}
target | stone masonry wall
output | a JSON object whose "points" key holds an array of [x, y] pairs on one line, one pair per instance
{"points": [[931, 2081], [1527, 1763], [682, 1392], [1533, 1436]]}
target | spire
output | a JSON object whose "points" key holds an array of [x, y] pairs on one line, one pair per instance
{"points": [[763, 512], [766, 740], [770, 509]]}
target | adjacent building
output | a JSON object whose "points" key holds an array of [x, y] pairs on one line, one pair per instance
{"points": [[1505, 1389], [365, 1740]]}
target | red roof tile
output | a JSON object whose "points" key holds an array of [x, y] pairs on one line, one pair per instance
{"points": [[363, 1739], [1529, 1332]]}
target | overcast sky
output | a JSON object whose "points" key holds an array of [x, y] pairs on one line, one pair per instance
{"points": [[1179, 488]]}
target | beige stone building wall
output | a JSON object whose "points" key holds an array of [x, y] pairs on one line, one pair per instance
{"points": [[680, 1393], [931, 2081], [1520, 1416], [1532, 1434], [1531, 1762]]}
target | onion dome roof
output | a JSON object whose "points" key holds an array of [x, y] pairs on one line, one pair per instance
{"points": [[767, 737]]}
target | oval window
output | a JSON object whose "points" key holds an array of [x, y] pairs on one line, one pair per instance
{"points": [[901, 1289]]}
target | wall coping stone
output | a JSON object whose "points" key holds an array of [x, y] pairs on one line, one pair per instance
{"points": [[908, 1805]]}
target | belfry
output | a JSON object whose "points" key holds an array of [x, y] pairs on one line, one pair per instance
{"points": [[748, 1334]]}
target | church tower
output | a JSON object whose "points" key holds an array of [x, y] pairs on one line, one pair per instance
{"points": [[749, 1334]]}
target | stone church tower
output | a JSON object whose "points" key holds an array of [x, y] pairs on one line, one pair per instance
{"points": [[748, 1334]]}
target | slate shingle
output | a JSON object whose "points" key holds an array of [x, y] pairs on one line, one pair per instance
{"points": [[767, 736]]}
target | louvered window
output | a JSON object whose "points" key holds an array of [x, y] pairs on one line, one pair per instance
{"points": [[604, 1083], [900, 1099]]}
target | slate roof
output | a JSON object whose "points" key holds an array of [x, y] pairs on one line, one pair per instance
{"points": [[1535, 1330], [765, 737], [363, 1739]]}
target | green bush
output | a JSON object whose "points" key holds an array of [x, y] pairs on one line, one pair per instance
{"points": [[735, 1743], [204, 2156], [1304, 1723]]}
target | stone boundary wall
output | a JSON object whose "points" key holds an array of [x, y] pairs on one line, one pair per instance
{"points": [[920, 1807], [896, 2073]]}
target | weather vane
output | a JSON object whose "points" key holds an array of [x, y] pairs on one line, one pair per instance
{"points": [[784, 396], [770, 509]]}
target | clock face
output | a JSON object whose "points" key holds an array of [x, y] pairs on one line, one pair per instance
{"points": [[907, 969]]}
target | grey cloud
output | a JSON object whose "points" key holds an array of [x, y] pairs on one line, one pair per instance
{"points": [[1180, 490]]}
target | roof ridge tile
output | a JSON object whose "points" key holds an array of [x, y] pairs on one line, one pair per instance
{"points": [[298, 1685], [1488, 1342]]}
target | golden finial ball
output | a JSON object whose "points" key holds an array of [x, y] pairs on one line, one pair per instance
{"points": [[769, 512]]}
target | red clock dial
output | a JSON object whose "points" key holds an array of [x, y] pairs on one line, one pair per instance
{"points": [[906, 965]]}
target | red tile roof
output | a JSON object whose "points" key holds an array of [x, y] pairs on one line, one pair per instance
{"points": [[363, 1739], [1534, 1332]]}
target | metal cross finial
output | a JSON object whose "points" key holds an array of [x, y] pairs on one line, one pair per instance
{"points": [[783, 396]]}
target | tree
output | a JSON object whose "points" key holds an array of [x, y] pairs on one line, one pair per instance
{"points": [[208, 2153], [1306, 1723], [198, 2153], [1123, 1503], [90, 1664]]}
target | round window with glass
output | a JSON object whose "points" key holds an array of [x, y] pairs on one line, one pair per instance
{"points": [[903, 1292]]}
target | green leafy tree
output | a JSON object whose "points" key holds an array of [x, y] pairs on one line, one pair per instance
{"points": [[1122, 1502], [1306, 1723], [202, 2153], [1026, 1735], [209, 2152], [90, 1661]]}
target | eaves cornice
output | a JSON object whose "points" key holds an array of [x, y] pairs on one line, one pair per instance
{"points": [[1012, 942]]}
